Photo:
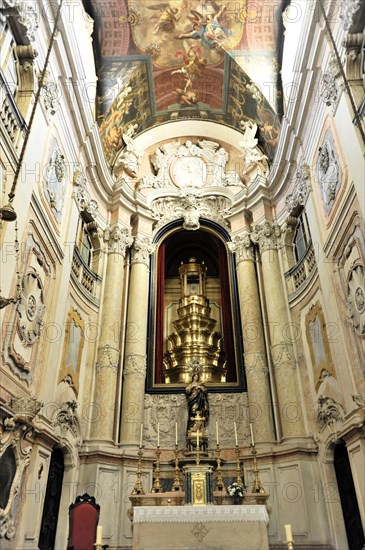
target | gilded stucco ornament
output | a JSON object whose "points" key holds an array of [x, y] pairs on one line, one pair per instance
{"points": [[190, 165], [299, 195], [191, 205], [356, 298], [54, 182], [31, 309]]}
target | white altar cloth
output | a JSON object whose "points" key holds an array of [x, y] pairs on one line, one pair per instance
{"points": [[184, 514], [240, 527]]}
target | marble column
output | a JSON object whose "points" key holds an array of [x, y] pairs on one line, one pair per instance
{"points": [[107, 364], [134, 371], [268, 237], [256, 368]]}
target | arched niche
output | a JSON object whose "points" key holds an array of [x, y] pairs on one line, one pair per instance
{"points": [[209, 245]]}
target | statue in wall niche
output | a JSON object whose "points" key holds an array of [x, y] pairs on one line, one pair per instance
{"points": [[197, 399]]}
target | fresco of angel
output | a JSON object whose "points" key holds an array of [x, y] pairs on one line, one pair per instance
{"points": [[167, 18], [194, 63], [208, 28]]}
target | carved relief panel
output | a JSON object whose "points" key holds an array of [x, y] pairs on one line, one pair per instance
{"points": [[329, 173], [25, 321], [54, 180]]}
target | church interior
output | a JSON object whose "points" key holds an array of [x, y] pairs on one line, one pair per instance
{"points": [[182, 302]]}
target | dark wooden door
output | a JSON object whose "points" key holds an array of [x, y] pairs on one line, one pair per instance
{"points": [[52, 501], [350, 507]]}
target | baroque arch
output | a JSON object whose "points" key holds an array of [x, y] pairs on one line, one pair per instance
{"points": [[193, 284]]}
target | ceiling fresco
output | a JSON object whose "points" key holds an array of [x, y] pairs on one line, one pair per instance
{"points": [[195, 59]]}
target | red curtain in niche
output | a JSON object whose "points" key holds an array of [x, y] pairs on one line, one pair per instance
{"points": [[160, 310], [226, 314]]}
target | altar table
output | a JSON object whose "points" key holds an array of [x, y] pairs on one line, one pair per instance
{"points": [[242, 527]]}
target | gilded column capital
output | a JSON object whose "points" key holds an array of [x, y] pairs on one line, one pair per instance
{"points": [[108, 357], [135, 365], [117, 240], [141, 249], [267, 235], [243, 247]]}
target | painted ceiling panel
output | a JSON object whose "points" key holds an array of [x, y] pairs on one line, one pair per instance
{"points": [[187, 59]]}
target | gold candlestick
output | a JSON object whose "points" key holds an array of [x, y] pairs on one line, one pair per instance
{"points": [[176, 486], [290, 545], [98, 546], [197, 450], [220, 483], [257, 485], [238, 467], [157, 488], [138, 487]]}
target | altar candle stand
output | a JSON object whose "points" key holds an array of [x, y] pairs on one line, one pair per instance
{"points": [[238, 467], [220, 483], [289, 537], [157, 488], [138, 487], [197, 449], [257, 485], [176, 486]]}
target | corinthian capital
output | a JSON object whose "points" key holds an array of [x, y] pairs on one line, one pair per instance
{"points": [[267, 235], [141, 250], [243, 247], [117, 240]]}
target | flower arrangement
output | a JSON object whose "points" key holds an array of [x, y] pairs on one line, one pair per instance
{"points": [[235, 490]]}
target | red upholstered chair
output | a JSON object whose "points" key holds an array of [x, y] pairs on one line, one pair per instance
{"points": [[83, 520]]}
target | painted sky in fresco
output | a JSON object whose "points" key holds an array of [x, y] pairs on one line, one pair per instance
{"points": [[187, 59]]}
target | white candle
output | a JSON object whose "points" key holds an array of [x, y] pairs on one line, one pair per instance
{"points": [[252, 439], [216, 429], [140, 439], [175, 433], [288, 533], [158, 434], [99, 534], [235, 433]]}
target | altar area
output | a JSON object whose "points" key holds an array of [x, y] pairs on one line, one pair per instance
{"points": [[207, 527]]}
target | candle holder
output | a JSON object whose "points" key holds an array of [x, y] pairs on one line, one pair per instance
{"points": [[257, 485], [220, 483], [290, 545], [176, 486], [197, 453], [240, 481], [98, 546], [157, 488], [138, 487]]}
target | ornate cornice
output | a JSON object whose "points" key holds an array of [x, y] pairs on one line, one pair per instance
{"points": [[141, 250], [117, 240], [243, 247], [135, 365], [26, 14], [108, 358], [191, 205], [301, 189], [267, 235]]}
